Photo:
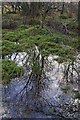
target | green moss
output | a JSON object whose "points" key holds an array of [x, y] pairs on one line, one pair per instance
{"points": [[48, 43], [11, 36], [10, 70], [37, 30], [9, 47]]}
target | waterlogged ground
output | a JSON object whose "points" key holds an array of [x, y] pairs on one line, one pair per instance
{"points": [[55, 101]]}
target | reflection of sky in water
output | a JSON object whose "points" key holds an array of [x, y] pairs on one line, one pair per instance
{"points": [[54, 75], [52, 93], [20, 58]]}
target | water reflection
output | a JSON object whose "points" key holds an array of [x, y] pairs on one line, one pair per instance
{"points": [[17, 106]]}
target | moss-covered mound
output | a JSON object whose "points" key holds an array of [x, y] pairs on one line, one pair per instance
{"points": [[10, 70], [48, 43]]}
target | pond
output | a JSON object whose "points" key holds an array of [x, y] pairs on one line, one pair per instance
{"points": [[54, 101]]}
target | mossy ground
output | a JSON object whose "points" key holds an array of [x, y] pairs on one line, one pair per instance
{"points": [[25, 37], [10, 70]]}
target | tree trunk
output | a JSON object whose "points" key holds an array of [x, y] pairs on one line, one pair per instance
{"points": [[62, 11]]}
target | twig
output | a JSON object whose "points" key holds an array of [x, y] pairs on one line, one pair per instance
{"points": [[25, 85]]}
